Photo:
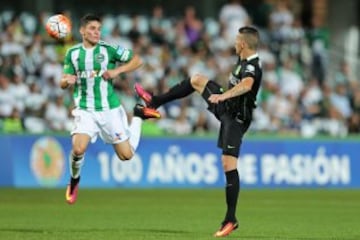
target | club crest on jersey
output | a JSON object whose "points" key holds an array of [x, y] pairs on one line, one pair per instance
{"points": [[99, 58]]}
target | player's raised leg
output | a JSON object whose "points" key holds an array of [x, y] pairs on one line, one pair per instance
{"points": [[186, 87]]}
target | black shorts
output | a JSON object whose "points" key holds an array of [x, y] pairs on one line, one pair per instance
{"points": [[232, 129]]}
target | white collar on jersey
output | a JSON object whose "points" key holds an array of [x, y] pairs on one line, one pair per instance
{"points": [[88, 49], [252, 57]]}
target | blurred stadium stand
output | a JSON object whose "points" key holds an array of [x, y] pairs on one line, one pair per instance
{"points": [[309, 49]]}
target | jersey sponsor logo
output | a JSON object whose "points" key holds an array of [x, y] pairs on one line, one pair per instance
{"points": [[250, 69], [99, 58], [90, 73]]}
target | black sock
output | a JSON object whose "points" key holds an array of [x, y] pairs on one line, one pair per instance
{"points": [[73, 183], [232, 193], [180, 90]]}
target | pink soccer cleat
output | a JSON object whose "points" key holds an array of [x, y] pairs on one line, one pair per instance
{"points": [[226, 229], [71, 190], [143, 94]]}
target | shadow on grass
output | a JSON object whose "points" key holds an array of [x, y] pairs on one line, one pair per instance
{"points": [[22, 230], [167, 231], [28, 230], [295, 238], [171, 232]]}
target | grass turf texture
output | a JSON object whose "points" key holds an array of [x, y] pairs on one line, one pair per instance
{"points": [[178, 214]]}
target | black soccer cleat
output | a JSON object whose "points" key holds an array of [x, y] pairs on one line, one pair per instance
{"points": [[145, 112]]}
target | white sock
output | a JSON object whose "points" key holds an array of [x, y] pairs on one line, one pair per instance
{"points": [[76, 163], [135, 131]]}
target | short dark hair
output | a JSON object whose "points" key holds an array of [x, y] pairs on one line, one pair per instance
{"points": [[251, 36], [248, 29], [88, 18]]}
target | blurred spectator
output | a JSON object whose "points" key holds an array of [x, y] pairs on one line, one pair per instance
{"points": [[35, 104], [261, 119], [115, 38], [135, 32], [192, 26], [157, 25], [296, 96], [181, 124], [354, 121], [290, 81], [56, 115], [281, 20], [50, 88], [13, 123], [51, 68], [311, 98], [339, 99], [233, 16], [342, 75], [7, 101], [28, 61], [319, 42], [280, 108], [19, 91], [10, 45]]}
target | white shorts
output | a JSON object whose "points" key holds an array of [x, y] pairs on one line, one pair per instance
{"points": [[112, 125]]}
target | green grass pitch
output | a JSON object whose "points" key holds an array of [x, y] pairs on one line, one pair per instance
{"points": [[173, 214]]}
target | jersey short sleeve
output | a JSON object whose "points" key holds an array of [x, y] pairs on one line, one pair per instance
{"points": [[123, 54], [68, 66], [249, 70]]}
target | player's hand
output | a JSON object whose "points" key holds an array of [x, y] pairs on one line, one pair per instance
{"points": [[70, 79], [110, 74], [216, 98]]}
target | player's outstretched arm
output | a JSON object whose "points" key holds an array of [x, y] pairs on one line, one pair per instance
{"points": [[130, 66], [241, 88]]}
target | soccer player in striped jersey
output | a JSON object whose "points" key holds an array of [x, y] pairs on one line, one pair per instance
{"points": [[89, 68]]}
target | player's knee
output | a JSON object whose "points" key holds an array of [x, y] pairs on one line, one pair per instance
{"points": [[78, 150], [198, 80], [225, 165], [229, 163], [125, 156]]}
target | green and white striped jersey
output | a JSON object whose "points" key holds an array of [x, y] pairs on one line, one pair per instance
{"points": [[91, 91]]}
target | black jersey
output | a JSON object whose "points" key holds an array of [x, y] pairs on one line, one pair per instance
{"points": [[243, 105]]}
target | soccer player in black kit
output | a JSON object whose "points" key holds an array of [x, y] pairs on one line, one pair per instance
{"points": [[233, 108]]}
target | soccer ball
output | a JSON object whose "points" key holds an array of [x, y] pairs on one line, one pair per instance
{"points": [[58, 26]]}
